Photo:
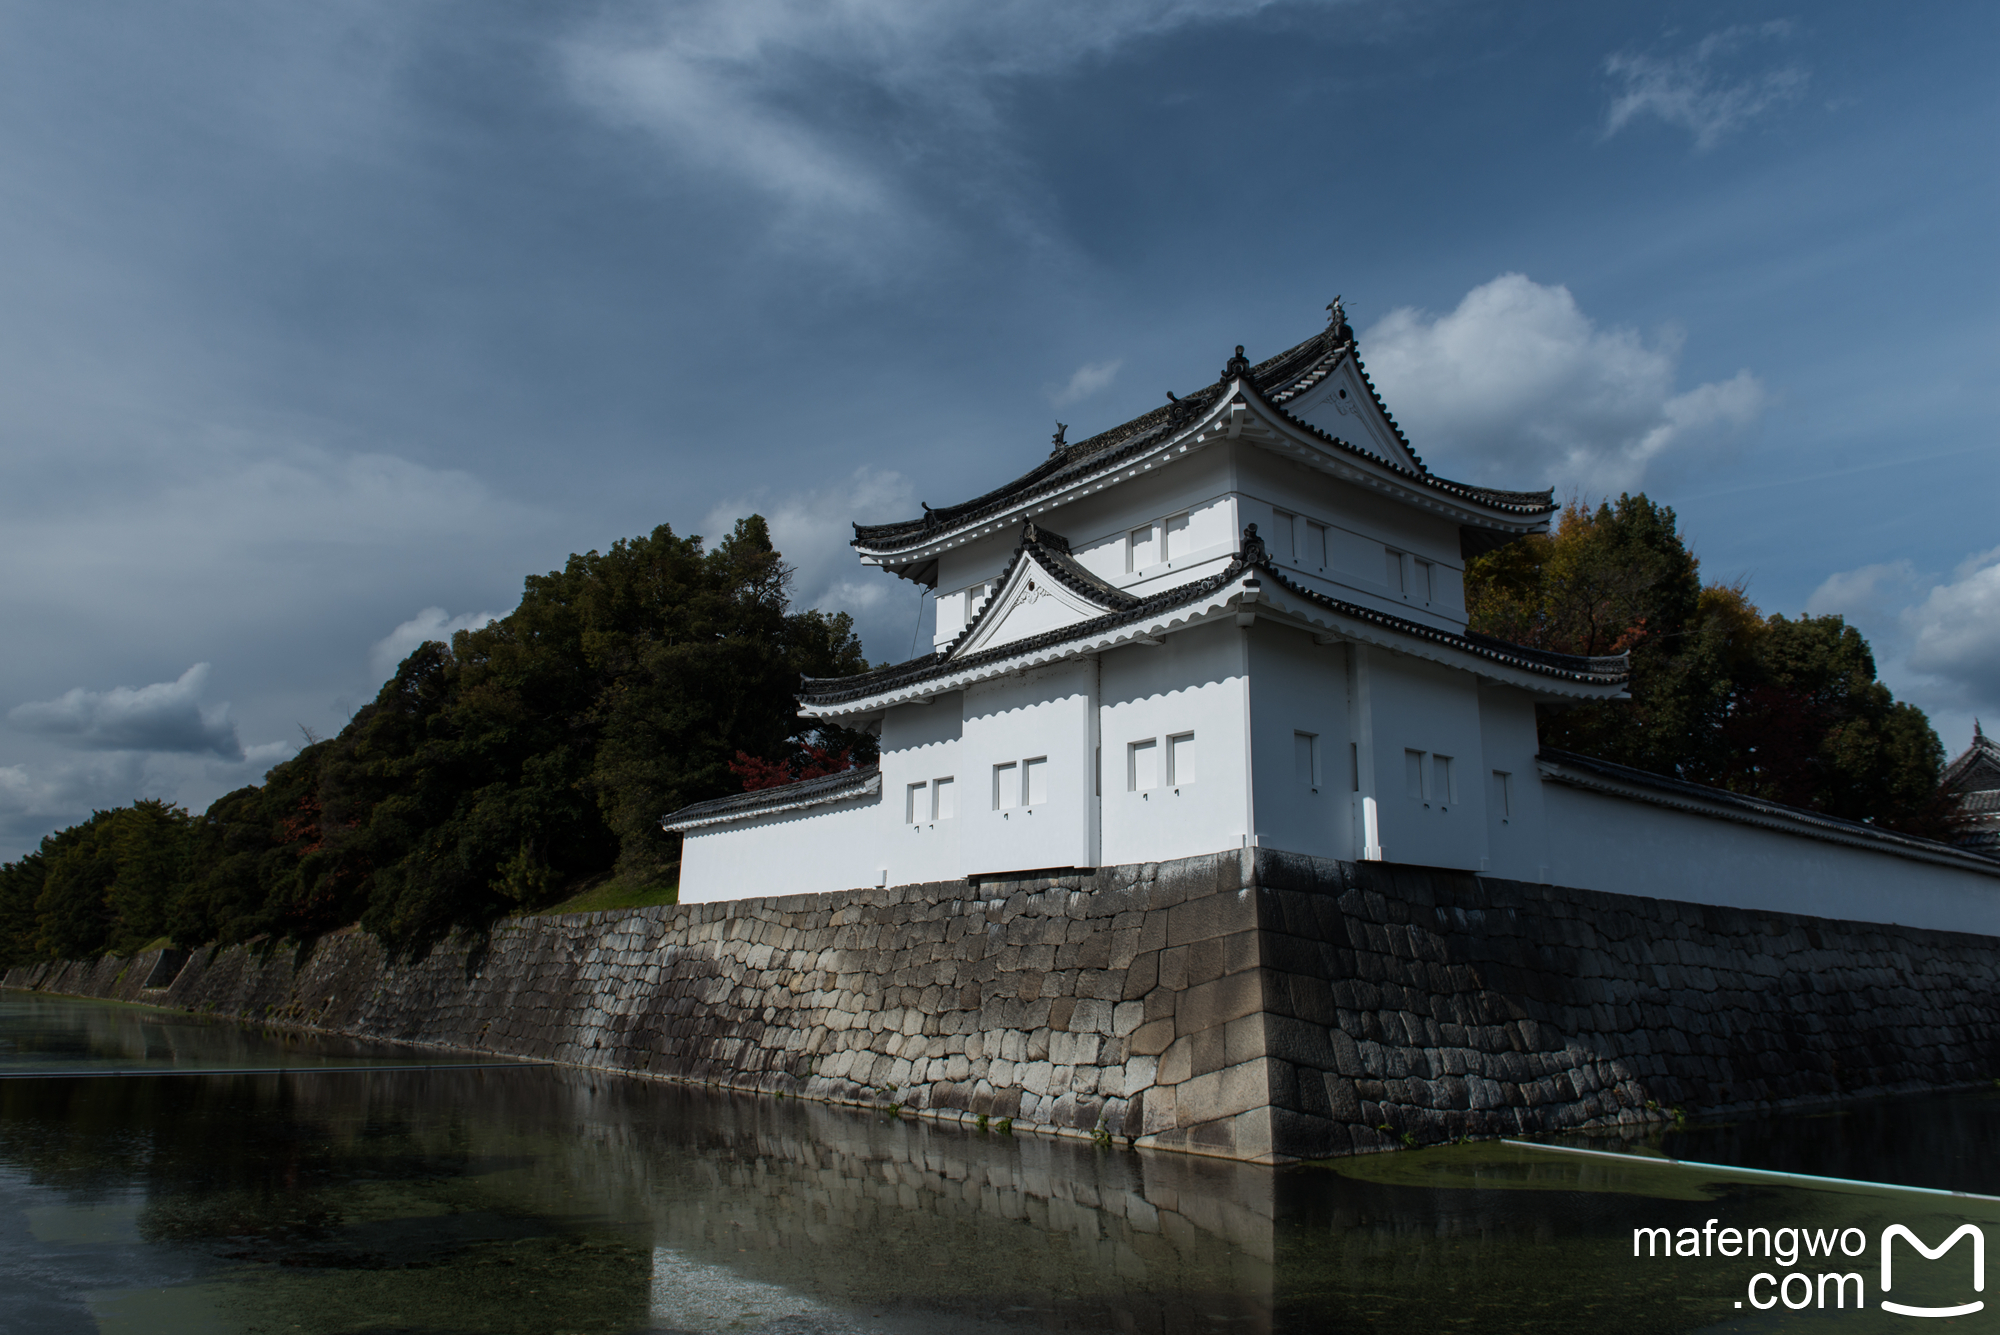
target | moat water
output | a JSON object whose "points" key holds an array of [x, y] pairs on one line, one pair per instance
{"points": [[161, 1173]]}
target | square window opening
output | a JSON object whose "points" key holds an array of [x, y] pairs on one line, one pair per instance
{"points": [[1035, 781], [1142, 765], [1305, 758], [1142, 548], [1444, 782], [944, 799], [1180, 759], [1315, 554], [1006, 787], [915, 803], [1177, 538], [1413, 775], [1282, 525]]}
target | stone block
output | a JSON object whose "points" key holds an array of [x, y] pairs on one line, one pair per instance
{"points": [[1210, 916], [1216, 1003], [1222, 1094], [1141, 977], [1207, 1050], [1153, 1037], [1177, 1062]]}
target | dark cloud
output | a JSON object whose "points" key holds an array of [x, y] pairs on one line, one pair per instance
{"points": [[166, 716]]}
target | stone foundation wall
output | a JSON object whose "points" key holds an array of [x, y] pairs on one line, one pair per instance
{"points": [[1255, 1005]]}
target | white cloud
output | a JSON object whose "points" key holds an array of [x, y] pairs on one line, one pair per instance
{"points": [[1955, 631], [433, 623], [1518, 387], [165, 716], [1086, 381], [1704, 89], [826, 107], [1936, 640]]}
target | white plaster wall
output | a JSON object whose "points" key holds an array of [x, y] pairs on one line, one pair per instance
{"points": [[1297, 686], [835, 847], [1433, 709], [1598, 842], [1192, 682], [1360, 529], [1048, 712], [1516, 837], [920, 744]]}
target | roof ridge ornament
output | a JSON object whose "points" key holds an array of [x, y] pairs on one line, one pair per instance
{"points": [[1057, 441], [1253, 546], [1237, 367], [1336, 322]]}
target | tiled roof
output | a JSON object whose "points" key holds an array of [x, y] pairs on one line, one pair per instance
{"points": [[838, 690], [1277, 380], [1566, 766], [1965, 773], [786, 797]]}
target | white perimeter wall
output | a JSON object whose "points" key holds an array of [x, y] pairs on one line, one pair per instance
{"points": [[1598, 842], [793, 853]]}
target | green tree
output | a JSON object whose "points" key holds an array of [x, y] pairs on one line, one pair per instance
{"points": [[491, 774], [1788, 710]]}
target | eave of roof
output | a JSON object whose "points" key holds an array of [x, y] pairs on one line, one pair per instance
{"points": [[1271, 382], [1982, 751], [824, 693], [1616, 780], [1275, 381], [864, 781]]}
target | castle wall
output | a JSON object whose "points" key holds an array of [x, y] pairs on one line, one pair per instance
{"points": [[1252, 1004], [1600, 840]]}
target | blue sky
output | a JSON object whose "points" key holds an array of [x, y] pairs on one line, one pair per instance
{"points": [[321, 326]]}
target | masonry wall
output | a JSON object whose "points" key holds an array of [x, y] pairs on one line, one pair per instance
{"points": [[1255, 1005], [1596, 839]]}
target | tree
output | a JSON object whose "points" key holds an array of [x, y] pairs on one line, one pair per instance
{"points": [[493, 773], [1784, 709]]}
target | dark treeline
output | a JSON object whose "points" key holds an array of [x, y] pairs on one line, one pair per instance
{"points": [[1776, 707], [500, 772], [535, 756]]}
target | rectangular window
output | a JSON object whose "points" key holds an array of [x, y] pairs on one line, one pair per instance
{"points": [[1142, 547], [1035, 781], [1178, 544], [1423, 581], [1282, 525], [1142, 765], [944, 799], [915, 803], [1394, 560], [1180, 759], [1305, 758], [975, 598], [1413, 774], [1006, 787], [1503, 795], [1315, 555], [1444, 786]]}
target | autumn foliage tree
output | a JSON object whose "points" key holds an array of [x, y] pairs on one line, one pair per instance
{"points": [[494, 773], [1780, 708]]}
